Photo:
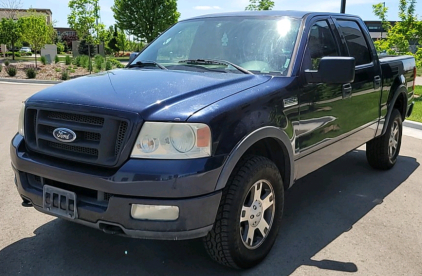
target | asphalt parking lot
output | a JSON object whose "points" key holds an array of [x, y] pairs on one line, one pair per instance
{"points": [[344, 219]]}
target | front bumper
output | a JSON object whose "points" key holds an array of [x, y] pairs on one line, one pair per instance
{"points": [[104, 196]]}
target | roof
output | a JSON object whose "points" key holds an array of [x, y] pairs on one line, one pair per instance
{"points": [[26, 10], [294, 14]]}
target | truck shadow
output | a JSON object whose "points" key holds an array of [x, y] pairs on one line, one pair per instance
{"points": [[319, 208]]}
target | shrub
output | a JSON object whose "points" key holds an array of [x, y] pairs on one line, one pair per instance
{"points": [[65, 75], [72, 71], [56, 59], [99, 61], [108, 66], [11, 70], [68, 60], [6, 62], [77, 61], [60, 47], [58, 70], [116, 63], [31, 73], [43, 60], [84, 61], [10, 54]]}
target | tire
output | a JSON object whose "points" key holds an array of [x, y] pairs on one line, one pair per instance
{"points": [[242, 215], [382, 152]]}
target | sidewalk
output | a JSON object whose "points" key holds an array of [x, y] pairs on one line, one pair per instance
{"points": [[418, 80]]}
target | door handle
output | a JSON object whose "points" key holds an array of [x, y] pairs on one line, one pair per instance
{"points": [[377, 82], [347, 91]]}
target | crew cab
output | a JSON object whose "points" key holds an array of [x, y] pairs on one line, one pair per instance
{"points": [[204, 130]]}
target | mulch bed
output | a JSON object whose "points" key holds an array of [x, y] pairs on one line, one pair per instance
{"points": [[45, 72]]}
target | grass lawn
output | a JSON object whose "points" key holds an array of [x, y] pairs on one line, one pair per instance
{"points": [[29, 59], [417, 109], [121, 59]]}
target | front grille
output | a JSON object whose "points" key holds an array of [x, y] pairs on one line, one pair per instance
{"points": [[99, 138], [120, 137], [76, 118], [65, 147]]}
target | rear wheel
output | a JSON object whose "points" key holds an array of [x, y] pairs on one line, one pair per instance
{"points": [[382, 152], [249, 215]]}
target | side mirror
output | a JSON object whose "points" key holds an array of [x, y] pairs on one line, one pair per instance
{"points": [[132, 56], [333, 70]]}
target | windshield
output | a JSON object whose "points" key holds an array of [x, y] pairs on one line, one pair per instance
{"points": [[259, 45]]}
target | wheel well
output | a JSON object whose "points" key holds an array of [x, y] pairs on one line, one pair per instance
{"points": [[277, 153], [400, 105]]}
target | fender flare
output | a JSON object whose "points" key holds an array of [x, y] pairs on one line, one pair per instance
{"points": [[400, 89], [247, 142]]}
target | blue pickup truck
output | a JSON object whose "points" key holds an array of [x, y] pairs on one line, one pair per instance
{"points": [[204, 130]]}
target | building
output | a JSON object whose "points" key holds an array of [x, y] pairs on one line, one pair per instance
{"points": [[376, 29], [66, 35], [7, 13]]}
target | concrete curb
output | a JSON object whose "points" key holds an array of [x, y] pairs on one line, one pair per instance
{"points": [[412, 124], [26, 81]]}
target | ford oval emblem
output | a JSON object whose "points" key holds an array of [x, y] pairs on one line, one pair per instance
{"points": [[64, 135]]}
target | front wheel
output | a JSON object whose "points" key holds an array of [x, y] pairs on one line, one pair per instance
{"points": [[249, 215], [382, 152]]}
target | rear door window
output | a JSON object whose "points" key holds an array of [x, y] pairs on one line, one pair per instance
{"points": [[358, 48]]}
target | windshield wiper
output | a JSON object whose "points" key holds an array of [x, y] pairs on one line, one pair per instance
{"points": [[215, 62], [146, 64]]}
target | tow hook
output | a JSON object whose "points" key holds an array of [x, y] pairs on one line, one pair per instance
{"points": [[26, 203]]}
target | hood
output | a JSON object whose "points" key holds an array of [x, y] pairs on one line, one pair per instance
{"points": [[154, 94]]}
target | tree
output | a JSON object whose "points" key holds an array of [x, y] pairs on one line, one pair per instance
{"points": [[36, 31], [380, 10], [112, 44], [10, 32], [11, 8], [121, 40], [260, 5], [404, 33], [86, 49], [145, 19], [83, 19]]}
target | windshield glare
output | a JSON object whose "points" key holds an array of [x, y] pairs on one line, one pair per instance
{"points": [[260, 45]]}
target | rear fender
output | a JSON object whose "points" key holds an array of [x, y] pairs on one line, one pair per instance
{"points": [[399, 89]]}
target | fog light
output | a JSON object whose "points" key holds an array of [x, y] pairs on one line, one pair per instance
{"points": [[154, 212]]}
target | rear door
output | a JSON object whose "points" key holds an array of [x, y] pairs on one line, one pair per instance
{"points": [[364, 98]]}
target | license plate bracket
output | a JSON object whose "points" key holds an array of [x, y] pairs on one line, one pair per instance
{"points": [[59, 202]]}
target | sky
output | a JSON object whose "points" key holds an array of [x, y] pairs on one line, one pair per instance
{"points": [[188, 9]]}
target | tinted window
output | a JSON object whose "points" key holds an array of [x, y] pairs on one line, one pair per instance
{"points": [[321, 43], [355, 41]]}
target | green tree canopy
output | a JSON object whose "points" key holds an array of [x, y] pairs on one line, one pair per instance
{"points": [[10, 32], [145, 19], [83, 17], [404, 33], [112, 44], [260, 5], [121, 40], [36, 31]]}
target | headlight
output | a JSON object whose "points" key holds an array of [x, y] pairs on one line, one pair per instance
{"points": [[21, 123], [173, 141]]}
